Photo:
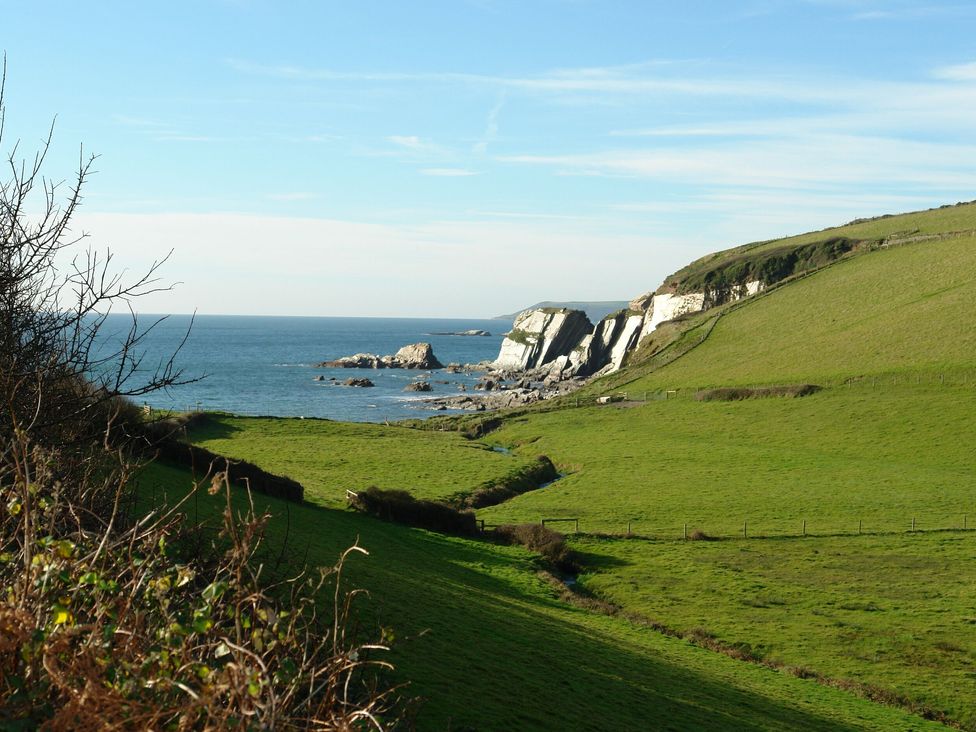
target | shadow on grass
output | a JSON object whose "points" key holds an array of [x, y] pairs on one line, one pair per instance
{"points": [[211, 426], [490, 646]]}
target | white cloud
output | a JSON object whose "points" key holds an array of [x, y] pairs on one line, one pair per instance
{"points": [[958, 72], [240, 263], [411, 142], [838, 160]]}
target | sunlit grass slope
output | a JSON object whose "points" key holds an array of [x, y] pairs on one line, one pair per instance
{"points": [[894, 611], [958, 218], [332, 457], [491, 647], [876, 453], [906, 309]]}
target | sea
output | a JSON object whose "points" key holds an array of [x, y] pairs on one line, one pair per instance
{"points": [[256, 365]]}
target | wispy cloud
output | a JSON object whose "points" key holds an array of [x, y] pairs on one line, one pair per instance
{"points": [[449, 172], [655, 77], [491, 126], [823, 160], [958, 72]]}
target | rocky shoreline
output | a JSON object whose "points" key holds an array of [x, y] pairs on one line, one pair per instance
{"points": [[497, 388]]}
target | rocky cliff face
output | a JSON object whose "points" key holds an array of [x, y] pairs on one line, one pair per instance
{"points": [[563, 343], [539, 337], [659, 308]]}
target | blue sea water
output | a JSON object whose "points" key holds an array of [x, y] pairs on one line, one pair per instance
{"points": [[256, 365]]}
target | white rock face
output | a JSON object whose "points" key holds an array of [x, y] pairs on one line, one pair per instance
{"points": [[539, 337], [669, 307], [626, 341]]}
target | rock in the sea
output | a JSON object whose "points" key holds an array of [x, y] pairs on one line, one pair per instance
{"points": [[418, 386], [358, 382], [356, 361], [414, 356], [417, 356], [319, 378], [472, 332]]}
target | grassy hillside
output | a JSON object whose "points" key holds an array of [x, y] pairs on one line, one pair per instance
{"points": [[907, 309], [898, 228], [872, 452], [491, 647], [889, 440], [889, 333], [891, 611]]}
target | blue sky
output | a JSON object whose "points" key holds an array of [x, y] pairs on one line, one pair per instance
{"points": [[469, 158]]}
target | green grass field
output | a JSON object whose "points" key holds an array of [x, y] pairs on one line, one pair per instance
{"points": [[880, 454], [893, 611], [490, 646], [888, 441], [332, 457]]}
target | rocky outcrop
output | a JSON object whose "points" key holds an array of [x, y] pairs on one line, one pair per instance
{"points": [[541, 336], [417, 356], [418, 386], [559, 343], [472, 332], [414, 356], [358, 382], [664, 306], [563, 344]]}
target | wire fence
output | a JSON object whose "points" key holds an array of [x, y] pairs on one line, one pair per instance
{"points": [[764, 528], [963, 377]]}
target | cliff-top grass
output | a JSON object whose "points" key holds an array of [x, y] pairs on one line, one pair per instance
{"points": [[906, 309], [960, 217]]}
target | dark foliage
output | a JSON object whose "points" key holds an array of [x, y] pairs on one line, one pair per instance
{"points": [[529, 478], [239, 472], [770, 266], [738, 393], [538, 538], [401, 507]]}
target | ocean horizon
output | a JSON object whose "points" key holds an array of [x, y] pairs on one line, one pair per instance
{"points": [[259, 365]]}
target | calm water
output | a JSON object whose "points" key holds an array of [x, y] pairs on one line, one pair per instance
{"points": [[265, 365]]}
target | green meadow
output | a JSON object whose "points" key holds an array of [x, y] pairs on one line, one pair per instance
{"points": [[814, 500], [879, 454], [892, 611], [332, 457], [489, 645], [904, 311]]}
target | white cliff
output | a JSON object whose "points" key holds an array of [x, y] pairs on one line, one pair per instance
{"points": [[563, 343], [539, 337]]}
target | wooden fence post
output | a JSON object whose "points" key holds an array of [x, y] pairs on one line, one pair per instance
{"points": [[913, 524], [686, 531], [804, 527], [745, 529]]}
